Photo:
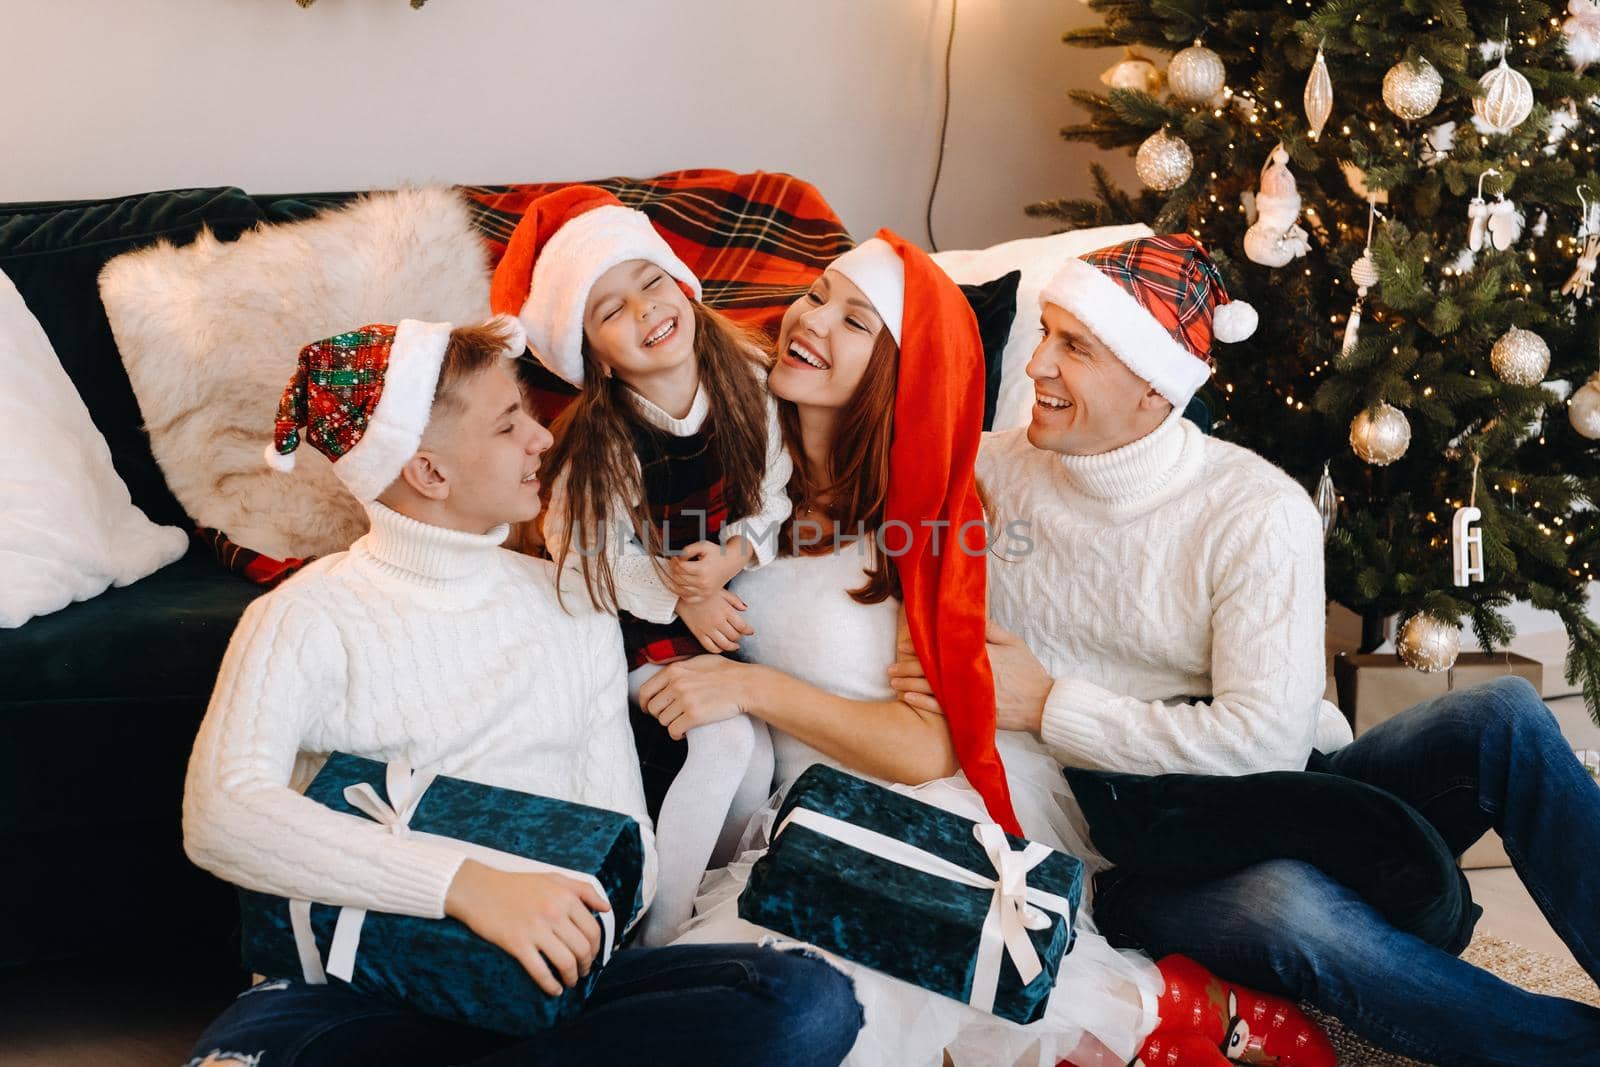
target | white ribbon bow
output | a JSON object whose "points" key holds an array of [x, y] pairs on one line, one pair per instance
{"points": [[1013, 909], [405, 788]]}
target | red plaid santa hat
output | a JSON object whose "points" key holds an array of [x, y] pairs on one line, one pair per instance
{"points": [[1157, 303], [560, 248], [363, 399], [938, 417]]}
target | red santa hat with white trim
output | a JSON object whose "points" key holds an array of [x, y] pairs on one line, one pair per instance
{"points": [[560, 248], [938, 419], [1157, 303], [363, 399]]}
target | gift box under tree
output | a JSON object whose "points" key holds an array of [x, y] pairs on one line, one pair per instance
{"points": [[917, 892], [439, 966]]}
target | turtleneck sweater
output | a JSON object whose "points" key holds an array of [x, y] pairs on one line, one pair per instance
{"points": [[1173, 589], [419, 643]]}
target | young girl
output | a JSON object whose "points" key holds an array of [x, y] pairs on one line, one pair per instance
{"points": [[668, 477]]}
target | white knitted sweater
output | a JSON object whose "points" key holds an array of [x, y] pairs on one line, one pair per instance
{"points": [[419, 643], [1174, 591]]}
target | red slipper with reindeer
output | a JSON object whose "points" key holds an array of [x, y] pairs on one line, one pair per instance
{"points": [[1233, 1024]]}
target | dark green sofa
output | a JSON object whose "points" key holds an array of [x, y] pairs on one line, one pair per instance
{"points": [[99, 702]]}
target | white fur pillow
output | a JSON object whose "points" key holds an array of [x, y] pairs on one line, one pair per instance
{"points": [[67, 526], [210, 332], [1038, 258]]}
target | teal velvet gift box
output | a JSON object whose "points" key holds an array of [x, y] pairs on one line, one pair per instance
{"points": [[910, 889], [439, 966]]}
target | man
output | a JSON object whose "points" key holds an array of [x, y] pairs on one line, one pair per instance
{"points": [[428, 642], [1169, 618]]}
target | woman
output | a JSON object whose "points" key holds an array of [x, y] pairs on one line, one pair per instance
{"points": [[878, 377]]}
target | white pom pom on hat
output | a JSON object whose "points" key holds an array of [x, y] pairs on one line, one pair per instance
{"points": [[1233, 322]]}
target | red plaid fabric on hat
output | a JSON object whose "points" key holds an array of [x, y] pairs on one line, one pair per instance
{"points": [[337, 385], [1173, 279]]}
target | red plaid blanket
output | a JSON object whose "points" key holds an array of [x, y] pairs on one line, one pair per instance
{"points": [[755, 241]]}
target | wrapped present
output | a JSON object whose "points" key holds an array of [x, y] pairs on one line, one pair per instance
{"points": [[439, 966], [959, 908]]}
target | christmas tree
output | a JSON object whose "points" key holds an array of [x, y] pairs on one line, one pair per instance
{"points": [[1440, 362]]}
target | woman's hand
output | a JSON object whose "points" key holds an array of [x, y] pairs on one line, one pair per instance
{"points": [[717, 621], [705, 567], [544, 920], [694, 692], [1021, 684]]}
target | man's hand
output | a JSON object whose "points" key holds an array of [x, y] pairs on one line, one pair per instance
{"points": [[716, 622], [544, 920], [706, 566], [694, 692], [906, 675], [1021, 684]]}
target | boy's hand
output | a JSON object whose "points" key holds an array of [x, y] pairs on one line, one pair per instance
{"points": [[706, 566], [543, 920], [716, 621]]}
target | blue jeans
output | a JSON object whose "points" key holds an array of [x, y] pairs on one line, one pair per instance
{"points": [[1489, 756], [687, 1004]]}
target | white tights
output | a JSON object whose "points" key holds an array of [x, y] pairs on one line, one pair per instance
{"points": [[726, 778]]}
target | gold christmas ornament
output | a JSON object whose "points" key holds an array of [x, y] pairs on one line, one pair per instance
{"points": [[1583, 409], [1507, 99], [1428, 645], [1163, 162], [1380, 435], [1520, 357], [1196, 74], [1319, 96], [1412, 91], [1133, 71]]}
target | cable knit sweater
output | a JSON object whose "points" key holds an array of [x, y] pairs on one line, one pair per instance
{"points": [[1174, 592], [421, 643]]}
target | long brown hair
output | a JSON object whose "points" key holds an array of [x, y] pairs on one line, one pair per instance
{"points": [[594, 447], [854, 489]]}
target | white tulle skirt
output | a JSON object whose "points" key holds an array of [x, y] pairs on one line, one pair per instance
{"points": [[1104, 1003]]}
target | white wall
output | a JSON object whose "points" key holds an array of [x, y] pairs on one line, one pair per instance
{"points": [[104, 97]]}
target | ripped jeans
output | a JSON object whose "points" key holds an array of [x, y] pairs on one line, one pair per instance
{"points": [[685, 1004]]}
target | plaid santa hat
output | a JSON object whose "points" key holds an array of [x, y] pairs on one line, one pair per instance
{"points": [[560, 248], [938, 417], [363, 399], [1157, 303]]}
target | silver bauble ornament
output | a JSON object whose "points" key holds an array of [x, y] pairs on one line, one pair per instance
{"points": [[1327, 500], [1412, 92], [1380, 435], [1133, 71], [1196, 74], [1428, 645], [1163, 162], [1506, 101], [1520, 357], [1583, 409], [1318, 96]]}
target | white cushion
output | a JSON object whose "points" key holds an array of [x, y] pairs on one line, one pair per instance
{"points": [[68, 528], [209, 333], [1038, 258]]}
